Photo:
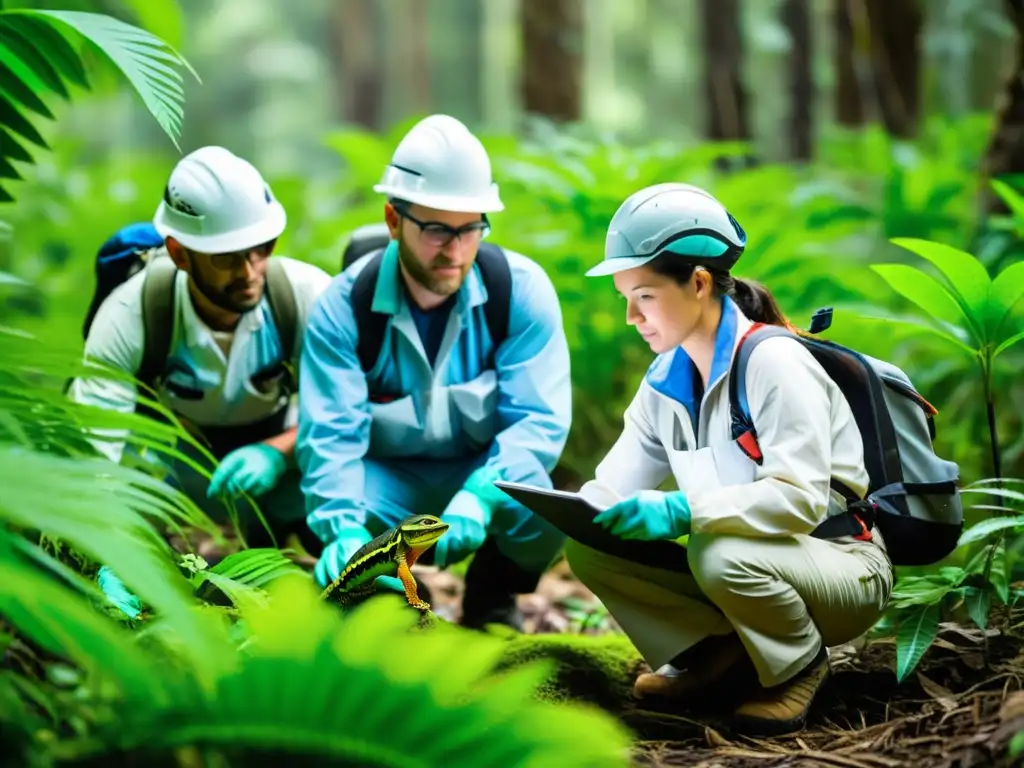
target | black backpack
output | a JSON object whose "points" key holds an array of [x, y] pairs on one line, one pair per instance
{"points": [[369, 242], [134, 246], [913, 495]]}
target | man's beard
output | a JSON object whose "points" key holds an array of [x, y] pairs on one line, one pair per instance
{"points": [[425, 275], [223, 298]]}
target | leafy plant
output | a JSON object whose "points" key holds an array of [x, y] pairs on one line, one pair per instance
{"points": [[919, 602], [39, 55]]}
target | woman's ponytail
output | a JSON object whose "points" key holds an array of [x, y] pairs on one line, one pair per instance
{"points": [[753, 299]]}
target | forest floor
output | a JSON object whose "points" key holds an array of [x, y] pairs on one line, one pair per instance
{"points": [[960, 708]]}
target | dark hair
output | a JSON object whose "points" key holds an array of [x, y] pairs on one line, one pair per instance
{"points": [[753, 299]]}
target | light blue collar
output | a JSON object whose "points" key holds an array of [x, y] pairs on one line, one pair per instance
{"points": [[673, 373], [389, 295]]}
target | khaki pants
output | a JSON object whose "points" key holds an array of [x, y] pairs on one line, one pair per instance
{"points": [[783, 597]]}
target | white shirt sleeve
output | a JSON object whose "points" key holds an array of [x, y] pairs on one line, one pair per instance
{"points": [[637, 461], [115, 339]]}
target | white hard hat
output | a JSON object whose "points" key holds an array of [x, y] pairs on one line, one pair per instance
{"points": [[440, 164], [671, 218], [216, 202]]}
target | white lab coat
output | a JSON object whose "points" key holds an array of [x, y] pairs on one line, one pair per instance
{"points": [[753, 567], [196, 359], [805, 430]]}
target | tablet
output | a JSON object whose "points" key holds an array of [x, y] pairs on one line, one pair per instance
{"points": [[574, 516]]}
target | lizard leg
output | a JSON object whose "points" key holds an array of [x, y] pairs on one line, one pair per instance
{"points": [[410, 585]]}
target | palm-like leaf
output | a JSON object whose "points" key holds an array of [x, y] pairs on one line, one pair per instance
{"points": [[365, 690], [38, 54]]}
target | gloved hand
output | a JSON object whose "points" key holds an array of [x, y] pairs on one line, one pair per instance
{"points": [[336, 554], [481, 485], [253, 469], [393, 583], [467, 518], [649, 516], [118, 594]]}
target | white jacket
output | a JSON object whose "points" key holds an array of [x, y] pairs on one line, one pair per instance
{"points": [[196, 360], [805, 429]]}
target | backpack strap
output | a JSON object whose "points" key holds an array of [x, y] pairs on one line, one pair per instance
{"points": [[371, 325], [157, 316], [859, 519], [497, 277], [281, 298]]}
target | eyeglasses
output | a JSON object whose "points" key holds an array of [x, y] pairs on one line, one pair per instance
{"points": [[234, 259], [437, 234]]}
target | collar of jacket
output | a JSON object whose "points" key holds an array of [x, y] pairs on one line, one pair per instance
{"points": [[193, 326], [672, 373], [389, 296]]}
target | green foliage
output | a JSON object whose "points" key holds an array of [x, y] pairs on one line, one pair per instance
{"points": [[39, 54]]}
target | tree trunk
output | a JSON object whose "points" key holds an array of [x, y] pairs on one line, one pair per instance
{"points": [[1005, 153], [354, 52], [551, 73], [728, 116], [796, 15], [849, 93], [896, 27]]}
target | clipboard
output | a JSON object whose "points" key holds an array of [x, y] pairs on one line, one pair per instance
{"points": [[574, 516]]}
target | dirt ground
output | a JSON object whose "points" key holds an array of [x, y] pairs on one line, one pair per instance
{"points": [[959, 709]]}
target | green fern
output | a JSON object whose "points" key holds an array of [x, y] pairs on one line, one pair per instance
{"points": [[39, 55]]}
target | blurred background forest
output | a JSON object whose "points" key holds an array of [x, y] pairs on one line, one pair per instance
{"points": [[827, 126]]}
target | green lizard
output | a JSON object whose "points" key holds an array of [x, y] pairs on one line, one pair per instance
{"points": [[392, 552]]}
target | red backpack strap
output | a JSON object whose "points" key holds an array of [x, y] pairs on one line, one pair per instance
{"points": [[742, 430]]}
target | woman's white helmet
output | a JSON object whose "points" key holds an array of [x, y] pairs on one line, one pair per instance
{"points": [[440, 164], [671, 218], [216, 202]]}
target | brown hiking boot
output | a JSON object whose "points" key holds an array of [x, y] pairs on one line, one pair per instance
{"points": [[783, 708], [692, 672]]}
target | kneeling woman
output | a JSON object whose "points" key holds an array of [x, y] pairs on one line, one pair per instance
{"points": [[761, 593]]}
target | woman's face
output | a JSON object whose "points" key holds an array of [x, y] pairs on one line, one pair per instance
{"points": [[663, 311]]}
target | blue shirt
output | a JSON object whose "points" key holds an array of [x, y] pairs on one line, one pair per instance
{"points": [[431, 324]]}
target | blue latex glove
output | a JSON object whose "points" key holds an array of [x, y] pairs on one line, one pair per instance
{"points": [[649, 516], [481, 485], [336, 554], [253, 469], [117, 593], [467, 519]]}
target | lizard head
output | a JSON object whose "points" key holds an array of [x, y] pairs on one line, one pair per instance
{"points": [[421, 532]]}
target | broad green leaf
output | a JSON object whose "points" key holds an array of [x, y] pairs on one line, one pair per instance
{"points": [[966, 275], [917, 629], [925, 291], [1007, 343], [923, 327], [985, 528], [1007, 292], [140, 56], [978, 601]]}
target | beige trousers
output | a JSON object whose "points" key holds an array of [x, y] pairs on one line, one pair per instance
{"points": [[783, 597]]}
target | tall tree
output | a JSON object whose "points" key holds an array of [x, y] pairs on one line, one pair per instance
{"points": [[796, 15], [1005, 153], [552, 44], [896, 28], [849, 92], [728, 117], [353, 51]]}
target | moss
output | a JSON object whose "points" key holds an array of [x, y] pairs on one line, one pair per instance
{"points": [[599, 669]]}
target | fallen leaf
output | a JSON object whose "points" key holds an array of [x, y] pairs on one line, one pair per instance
{"points": [[941, 694], [1012, 706], [714, 738]]}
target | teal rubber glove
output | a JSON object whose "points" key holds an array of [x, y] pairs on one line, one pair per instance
{"points": [[253, 469], [336, 555], [467, 529], [648, 516], [117, 593], [481, 485]]}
